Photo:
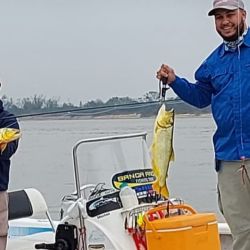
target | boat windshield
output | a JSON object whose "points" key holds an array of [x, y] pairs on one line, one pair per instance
{"points": [[98, 161]]}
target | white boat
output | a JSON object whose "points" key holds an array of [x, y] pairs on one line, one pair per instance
{"points": [[97, 216]]}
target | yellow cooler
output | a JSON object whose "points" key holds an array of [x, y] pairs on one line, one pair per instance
{"points": [[180, 227]]}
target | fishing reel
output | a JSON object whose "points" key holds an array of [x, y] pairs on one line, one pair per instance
{"points": [[66, 239]]}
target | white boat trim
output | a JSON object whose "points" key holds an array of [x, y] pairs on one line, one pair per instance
{"points": [[169, 230]]}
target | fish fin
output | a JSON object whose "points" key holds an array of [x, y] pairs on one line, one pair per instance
{"points": [[3, 147], [163, 191]]}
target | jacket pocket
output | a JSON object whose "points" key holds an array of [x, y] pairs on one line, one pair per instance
{"points": [[221, 79]]}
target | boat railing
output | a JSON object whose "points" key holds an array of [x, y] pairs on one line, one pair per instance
{"points": [[141, 135]]}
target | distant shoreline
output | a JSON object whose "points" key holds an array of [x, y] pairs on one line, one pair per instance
{"points": [[107, 117]]}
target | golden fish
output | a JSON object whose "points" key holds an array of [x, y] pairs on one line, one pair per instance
{"points": [[7, 135], [162, 149]]}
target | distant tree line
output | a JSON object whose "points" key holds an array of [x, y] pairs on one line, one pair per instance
{"points": [[39, 103]]}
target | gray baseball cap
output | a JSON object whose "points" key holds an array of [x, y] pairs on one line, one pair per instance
{"points": [[226, 4]]}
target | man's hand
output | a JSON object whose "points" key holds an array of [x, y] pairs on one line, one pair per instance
{"points": [[167, 72]]}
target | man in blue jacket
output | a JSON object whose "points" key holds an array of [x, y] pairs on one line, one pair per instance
{"points": [[223, 80], [6, 120]]}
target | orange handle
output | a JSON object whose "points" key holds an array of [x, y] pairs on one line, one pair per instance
{"points": [[149, 213], [171, 206]]}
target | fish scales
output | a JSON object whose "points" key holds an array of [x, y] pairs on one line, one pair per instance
{"points": [[162, 149]]}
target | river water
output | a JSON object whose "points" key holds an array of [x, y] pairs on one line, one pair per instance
{"points": [[44, 158]]}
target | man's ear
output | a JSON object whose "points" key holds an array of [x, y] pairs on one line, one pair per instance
{"points": [[244, 14]]}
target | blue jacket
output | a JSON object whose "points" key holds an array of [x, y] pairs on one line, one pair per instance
{"points": [[6, 120], [223, 80]]}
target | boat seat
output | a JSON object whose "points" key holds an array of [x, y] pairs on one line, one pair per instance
{"points": [[26, 203]]}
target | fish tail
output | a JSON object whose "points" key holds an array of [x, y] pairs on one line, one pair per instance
{"points": [[163, 191]]}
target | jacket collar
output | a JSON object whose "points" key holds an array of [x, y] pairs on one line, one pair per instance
{"points": [[246, 42]]}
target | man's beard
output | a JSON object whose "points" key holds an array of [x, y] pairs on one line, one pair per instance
{"points": [[238, 33]]}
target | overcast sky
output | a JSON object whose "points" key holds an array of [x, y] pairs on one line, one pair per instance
{"points": [[81, 50]]}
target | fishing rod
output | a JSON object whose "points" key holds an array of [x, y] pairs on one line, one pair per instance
{"points": [[105, 108], [110, 107]]}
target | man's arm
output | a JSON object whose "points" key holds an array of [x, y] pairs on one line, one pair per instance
{"points": [[198, 94]]}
